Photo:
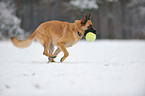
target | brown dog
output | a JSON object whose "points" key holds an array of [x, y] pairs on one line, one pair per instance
{"points": [[57, 33]]}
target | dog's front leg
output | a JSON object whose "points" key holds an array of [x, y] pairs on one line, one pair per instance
{"points": [[63, 49], [57, 51]]}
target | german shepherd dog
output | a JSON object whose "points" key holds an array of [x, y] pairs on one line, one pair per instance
{"points": [[57, 33]]}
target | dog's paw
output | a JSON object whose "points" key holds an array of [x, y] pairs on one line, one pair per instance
{"points": [[61, 60], [53, 56], [51, 60]]}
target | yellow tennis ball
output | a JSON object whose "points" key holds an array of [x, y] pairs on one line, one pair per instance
{"points": [[90, 36]]}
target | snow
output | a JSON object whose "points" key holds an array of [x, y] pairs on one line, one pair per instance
{"points": [[100, 68]]}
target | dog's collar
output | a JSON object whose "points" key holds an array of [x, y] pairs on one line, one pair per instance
{"points": [[80, 34]]}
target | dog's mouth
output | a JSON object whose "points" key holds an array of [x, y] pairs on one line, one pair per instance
{"points": [[90, 29]]}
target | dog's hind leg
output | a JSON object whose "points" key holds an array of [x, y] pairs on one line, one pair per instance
{"points": [[46, 46], [51, 49], [45, 40], [57, 51]]}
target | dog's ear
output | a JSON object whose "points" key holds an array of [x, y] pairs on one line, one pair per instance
{"points": [[84, 20], [89, 17]]}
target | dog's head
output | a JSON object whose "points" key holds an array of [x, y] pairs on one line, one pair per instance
{"points": [[85, 25]]}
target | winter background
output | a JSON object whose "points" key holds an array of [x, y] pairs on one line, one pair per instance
{"points": [[113, 65]]}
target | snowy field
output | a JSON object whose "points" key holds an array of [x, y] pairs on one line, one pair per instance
{"points": [[100, 68]]}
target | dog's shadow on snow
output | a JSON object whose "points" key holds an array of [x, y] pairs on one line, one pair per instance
{"points": [[46, 62], [77, 62]]}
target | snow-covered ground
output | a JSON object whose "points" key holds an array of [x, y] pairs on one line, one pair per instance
{"points": [[100, 68]]}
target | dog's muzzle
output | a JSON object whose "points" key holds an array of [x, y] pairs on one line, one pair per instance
{"points": [[90, 29]]}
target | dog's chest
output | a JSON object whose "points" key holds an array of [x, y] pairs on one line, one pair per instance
{"points": [[75, 39]]}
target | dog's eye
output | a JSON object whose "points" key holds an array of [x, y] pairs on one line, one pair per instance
{"points": [[90, 26]]}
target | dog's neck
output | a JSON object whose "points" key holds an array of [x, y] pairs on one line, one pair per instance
{"points": [[79, 32]]}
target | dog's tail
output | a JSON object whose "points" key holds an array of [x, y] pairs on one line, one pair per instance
{"points": [[23, 43]]}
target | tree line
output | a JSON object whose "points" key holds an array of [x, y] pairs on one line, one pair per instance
{"points": [[113, 19]]}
